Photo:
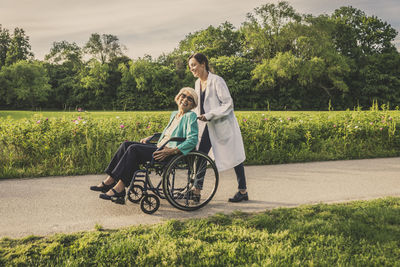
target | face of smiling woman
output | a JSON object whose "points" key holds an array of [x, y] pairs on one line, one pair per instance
{"points": [[197, 69], [185, 102]]}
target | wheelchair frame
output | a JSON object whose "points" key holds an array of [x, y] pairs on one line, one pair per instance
{"points": [[178, 177]]}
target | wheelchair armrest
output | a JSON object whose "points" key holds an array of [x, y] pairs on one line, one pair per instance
{"points": [[154, 138], [177, 139], [172, 139]]}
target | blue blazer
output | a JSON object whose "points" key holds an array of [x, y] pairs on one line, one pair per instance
{"points": [[187, 128]]}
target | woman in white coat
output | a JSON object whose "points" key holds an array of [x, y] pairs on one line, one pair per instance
{"points": [[218, 127]]}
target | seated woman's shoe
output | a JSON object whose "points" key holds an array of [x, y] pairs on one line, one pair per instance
{"points": [[190, 195], [196, 198], [239, 197], [104, 188], [116, 195]]}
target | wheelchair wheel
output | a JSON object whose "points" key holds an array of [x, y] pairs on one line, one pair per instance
{"points": [[185, 173], [150, 203], [135, 194]]}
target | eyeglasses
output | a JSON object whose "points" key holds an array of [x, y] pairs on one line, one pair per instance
{"points": [[189, 98]]}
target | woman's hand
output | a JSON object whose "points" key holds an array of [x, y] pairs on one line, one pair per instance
{"points": [[165, 152], [144, 140], [202, 118]]}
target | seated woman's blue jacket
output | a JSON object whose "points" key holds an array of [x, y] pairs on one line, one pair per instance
{"points": [[187, 128]]}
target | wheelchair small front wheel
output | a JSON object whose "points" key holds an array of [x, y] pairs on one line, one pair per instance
{"points": [[135, 194], [150, 203]]}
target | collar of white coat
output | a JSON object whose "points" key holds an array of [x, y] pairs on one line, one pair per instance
{"points": [[209, 82]]}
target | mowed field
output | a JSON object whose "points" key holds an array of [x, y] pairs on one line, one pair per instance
{"points": [[19, 114]]}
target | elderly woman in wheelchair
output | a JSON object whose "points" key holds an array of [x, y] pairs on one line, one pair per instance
{"points": [[173, 157]]}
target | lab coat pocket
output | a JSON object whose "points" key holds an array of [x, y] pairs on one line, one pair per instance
{"points": [[223, 129]]}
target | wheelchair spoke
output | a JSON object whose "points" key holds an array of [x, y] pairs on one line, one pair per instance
{"points": [[190, 181], [201, 170]]}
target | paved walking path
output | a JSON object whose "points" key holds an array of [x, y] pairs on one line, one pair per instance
{"points": [[43, 206]]}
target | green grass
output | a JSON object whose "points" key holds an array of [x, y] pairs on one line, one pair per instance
{"points": [[360, 233], [17, 114]]}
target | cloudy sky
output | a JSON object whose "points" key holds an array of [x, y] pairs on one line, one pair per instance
{"points": [[152, 27]]}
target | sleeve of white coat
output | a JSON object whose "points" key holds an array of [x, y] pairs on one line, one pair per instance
{"points": [[225, 100]]}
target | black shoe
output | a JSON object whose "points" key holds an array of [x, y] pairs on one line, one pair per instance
{"points": [[190, 196], [103, 188], [239, 197], [194, 197], [116, 195], [118, 200]]}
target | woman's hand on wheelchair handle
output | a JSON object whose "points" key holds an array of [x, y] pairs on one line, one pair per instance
{"points": [[202, 118], [165, 152]]}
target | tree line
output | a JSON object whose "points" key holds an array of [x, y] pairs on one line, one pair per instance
{"points": [[278, 59]]}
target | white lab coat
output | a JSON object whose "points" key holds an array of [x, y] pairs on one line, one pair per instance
{"points": [[226, 139]]}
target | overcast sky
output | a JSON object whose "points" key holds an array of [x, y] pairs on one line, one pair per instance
{"points": [[152, 27]]}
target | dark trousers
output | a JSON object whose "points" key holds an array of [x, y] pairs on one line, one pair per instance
{"points": [[127, 160], [205, 146]]}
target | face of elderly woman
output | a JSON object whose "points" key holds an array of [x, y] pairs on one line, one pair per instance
{"points": [[185, 101], [196, 68]]}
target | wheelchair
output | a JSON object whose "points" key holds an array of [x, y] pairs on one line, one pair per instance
{"points": [[177, 176]]}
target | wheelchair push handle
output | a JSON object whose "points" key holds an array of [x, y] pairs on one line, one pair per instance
{"points": [[154, 138]]}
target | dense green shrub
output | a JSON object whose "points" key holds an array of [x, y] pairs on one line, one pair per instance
{"points": [[310, 136], [61, 146], [85, 143]]}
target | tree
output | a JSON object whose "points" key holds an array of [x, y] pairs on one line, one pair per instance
{"points": [[357, 34], [5, 40], [65, 53], [104, 47], [147, 84], [277, 78], [263, 29], [309, 75], [4, 90], [178, 62], [26, 84], [381, 76], [213, 42], [19, 48], [366, 40], [94, 82], [236, 72], [64, 63], [114, 80], [126, 93]]}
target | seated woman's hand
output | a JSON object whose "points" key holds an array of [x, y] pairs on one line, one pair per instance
{"points": [[164, 153], [144, 140]]}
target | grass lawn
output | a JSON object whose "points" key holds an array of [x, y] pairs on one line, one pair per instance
{"points": [[360, 233], [17, 114]]}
